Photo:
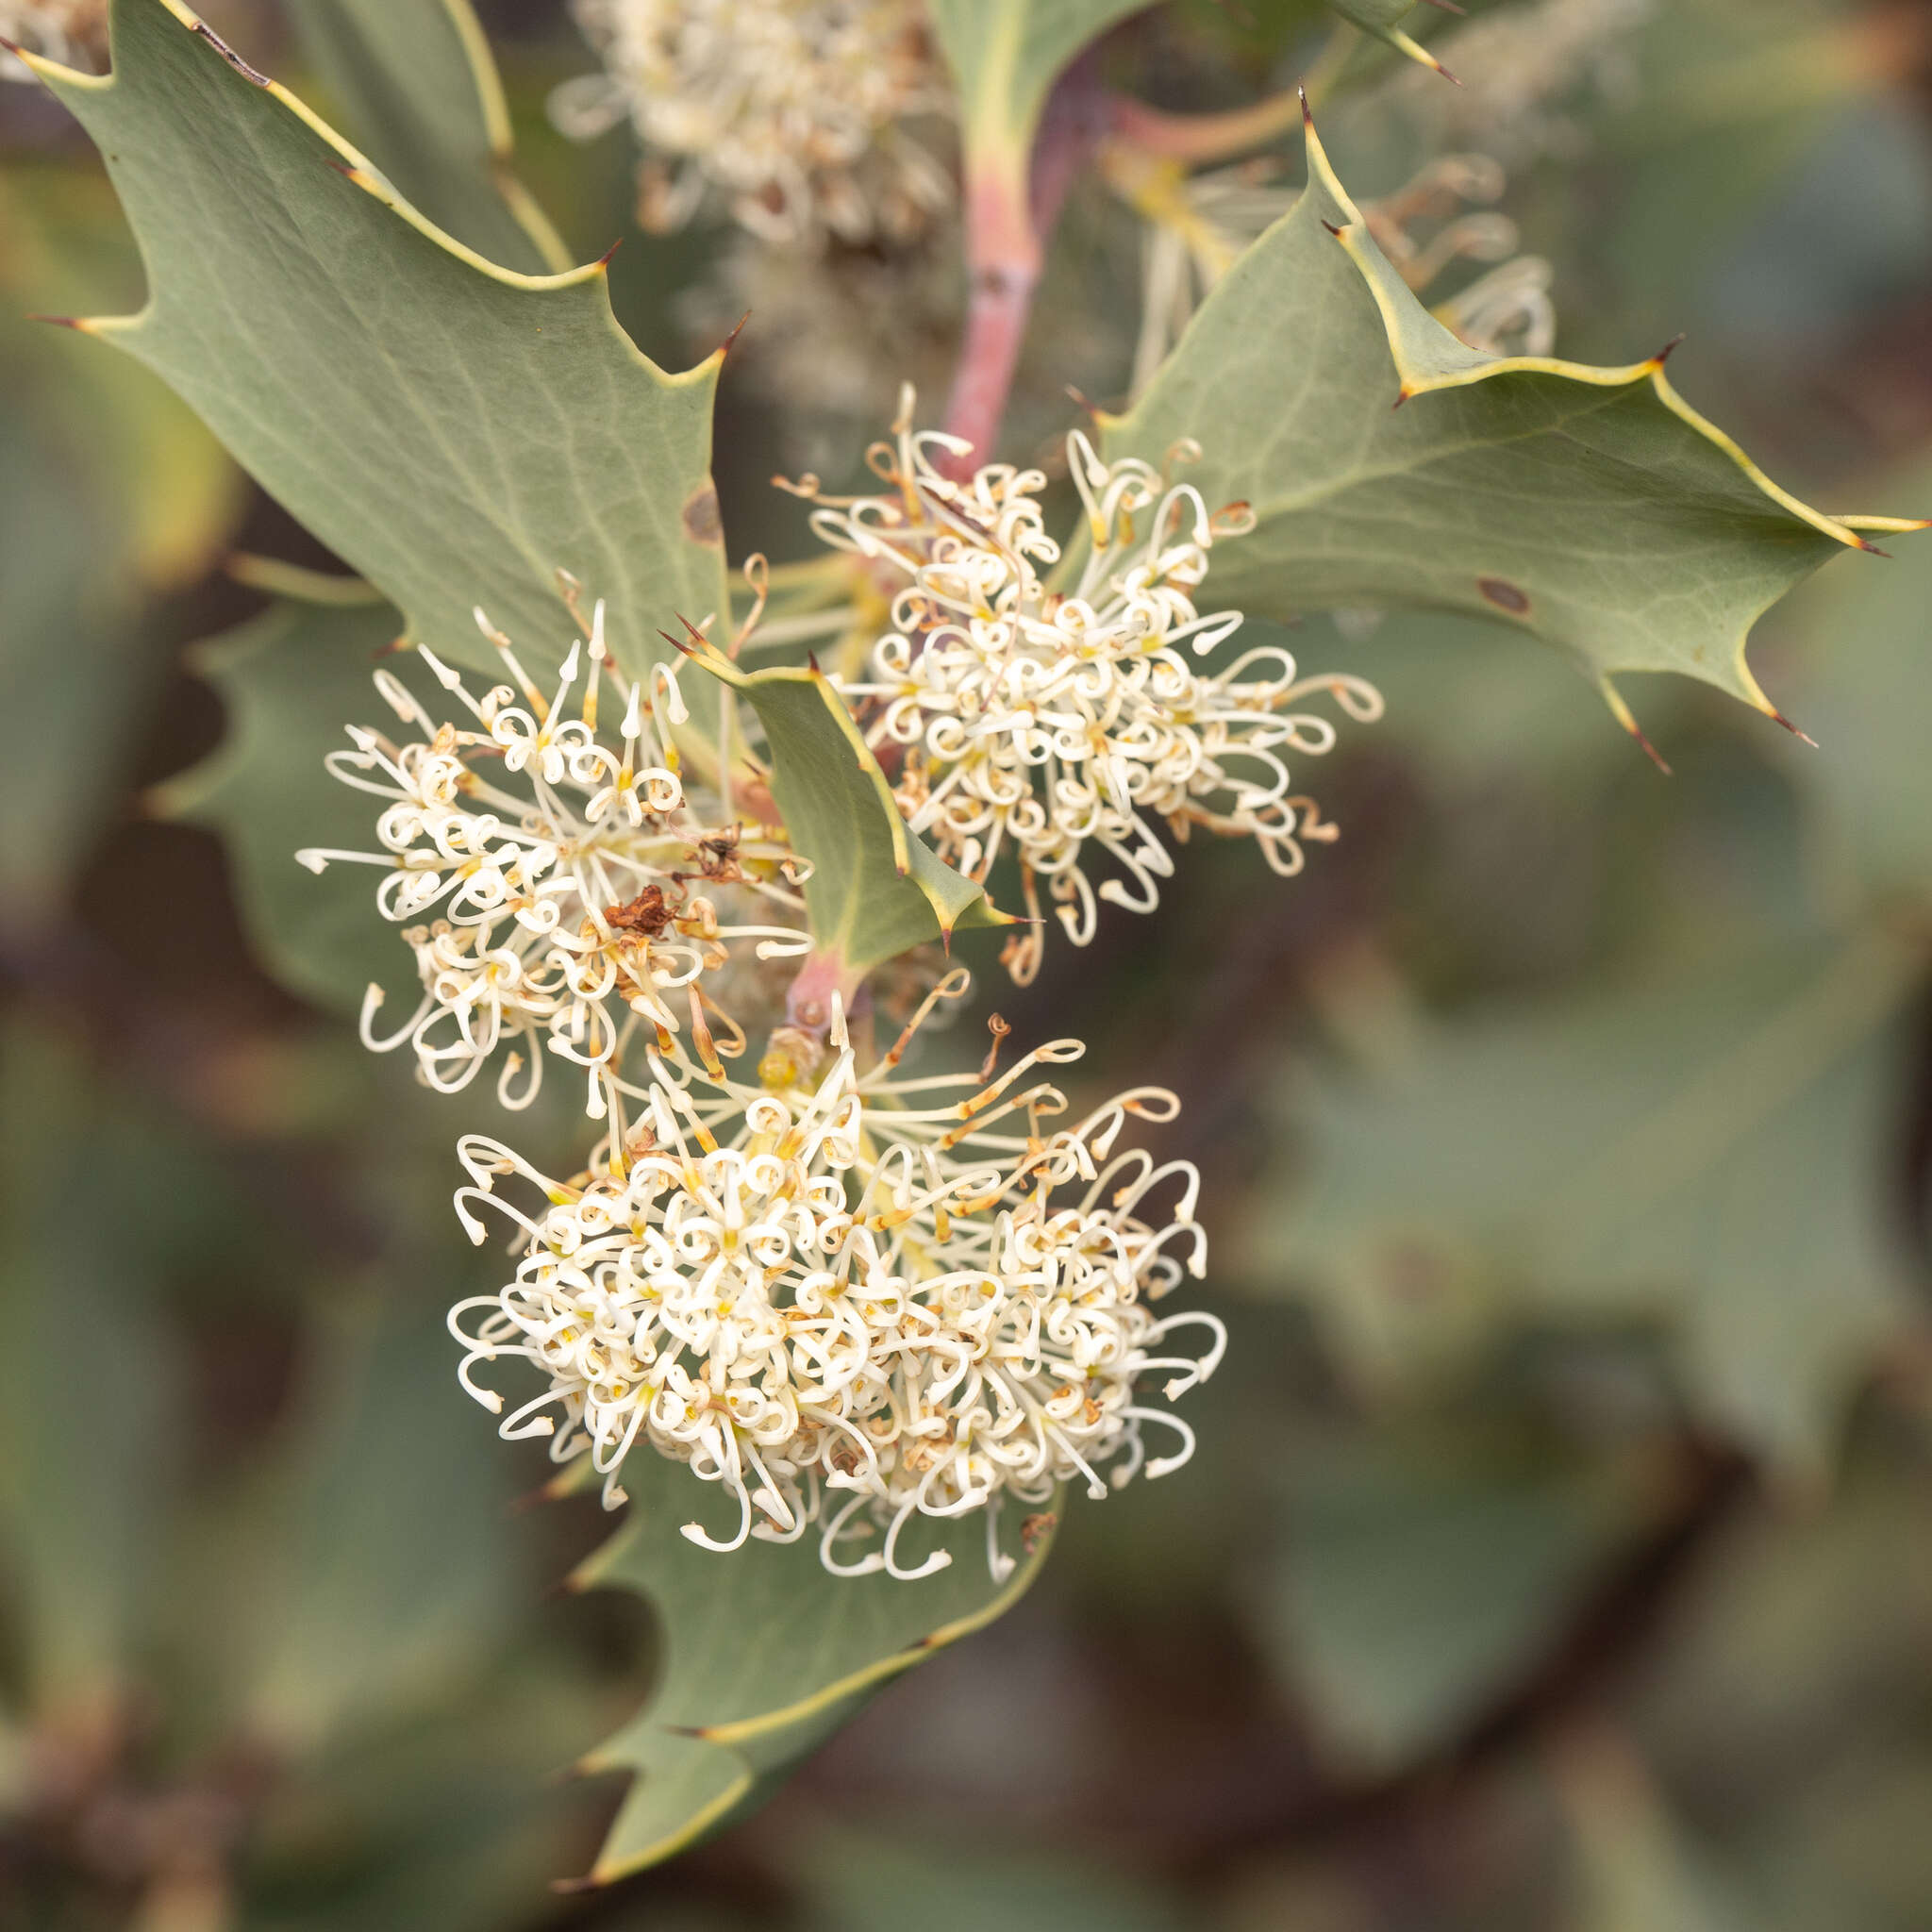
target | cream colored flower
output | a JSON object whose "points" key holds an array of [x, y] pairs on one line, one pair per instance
{"points": [[555, 887], [790, 111], [1070, 725], [852, 1300]]}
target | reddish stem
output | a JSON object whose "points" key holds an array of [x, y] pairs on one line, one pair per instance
{"points": [[1009, 215], [1198, 138], [809, 1001]]}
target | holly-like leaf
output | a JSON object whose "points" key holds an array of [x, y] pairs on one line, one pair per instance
{"points": [[1594, 508], [1628, 1158], [876, 888], [764, 1653], [456, 432], [1006, 56], [290, 680], [419, 91], [1381, 18]]}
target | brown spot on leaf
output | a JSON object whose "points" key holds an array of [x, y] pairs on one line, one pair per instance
{"points": [[702, 522], [1505, 595]]}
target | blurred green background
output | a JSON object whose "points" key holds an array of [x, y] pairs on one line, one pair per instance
{"points": [[1560, 1549]]}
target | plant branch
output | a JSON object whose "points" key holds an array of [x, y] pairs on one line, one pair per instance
{"points": [[1010, 212], [1199, 139]]}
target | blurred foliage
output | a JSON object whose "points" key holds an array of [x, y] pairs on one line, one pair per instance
{"points": [[1555, 1555], [110, 492]]}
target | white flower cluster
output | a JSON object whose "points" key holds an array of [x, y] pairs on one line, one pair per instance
{"points": [[847, 1300], [73, 32], [570, 894], [792, 111], [1052, 721]]}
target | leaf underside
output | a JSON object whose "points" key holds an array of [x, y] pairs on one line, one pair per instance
{"points": [[1389, 464], [764, 1654], [456, 432], [875, 890]]}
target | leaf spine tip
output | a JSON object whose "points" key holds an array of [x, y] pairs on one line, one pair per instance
{"points": [[72, 321], [1668, 349], [1331, 227], [730, 342], [1772, 711], [1301, 89], [811, 658], [603, 260], [1650, 751]]}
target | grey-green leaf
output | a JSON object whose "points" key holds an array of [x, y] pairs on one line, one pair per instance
{"points": [[1593, 508], [420, 94], [1626, 1158], [764, 1653], [875, 890], [291, 679], [1381, 18], [456, 432]]}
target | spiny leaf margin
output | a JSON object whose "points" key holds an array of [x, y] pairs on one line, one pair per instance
{"points": [[1308, 341], [583, 454], [418, 86], [731, 1715]]}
